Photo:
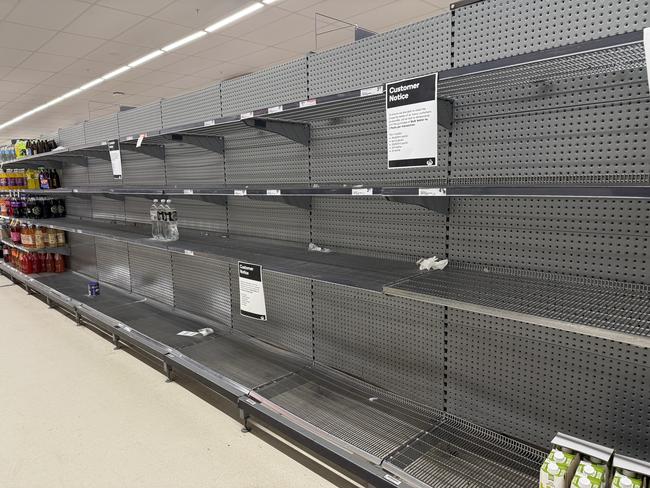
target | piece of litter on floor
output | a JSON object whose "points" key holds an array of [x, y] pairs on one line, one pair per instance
{"points": [[188, 333], [314, 248], [206, 331], [427, 264]]}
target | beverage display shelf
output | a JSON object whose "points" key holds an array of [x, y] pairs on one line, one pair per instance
{"points": [[279, 256], [568, 190], [369, 430], [593, 308], [64, 250]]}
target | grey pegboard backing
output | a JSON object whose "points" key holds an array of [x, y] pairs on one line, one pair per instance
{"points": [[136, 209], [582, 140], [268, 219], [288, 308], [200, 215], [202, 286], [100, 173], [494, 29], [113, 263], [83, 257], [192, 108], [191, 166], [78, 207], [352, 149], [257, 157], [270, 87], [376, 227], [138, 169], [72, 136], [151, 273], [107, 208], [140, 120], [365, 334], [595, 238], [102, 129], [74, 175], [530, 382], [416, 49]]}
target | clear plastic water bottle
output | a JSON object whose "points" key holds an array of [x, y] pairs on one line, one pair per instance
{"points": [[155, 224], [163, 232], [172, 222]]}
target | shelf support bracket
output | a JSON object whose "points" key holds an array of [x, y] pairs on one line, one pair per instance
{"points": [[98, 153], [437, 204], [303, 202], [64, 159], [155, 151], [445, 113], [211, 143], [296, 131]]}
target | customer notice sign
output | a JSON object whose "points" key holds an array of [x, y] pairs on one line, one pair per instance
{"points": [[412, 122], [251, 291]]}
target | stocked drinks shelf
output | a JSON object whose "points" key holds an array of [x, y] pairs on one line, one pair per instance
{"points": [[384, 436], [63, 250]]}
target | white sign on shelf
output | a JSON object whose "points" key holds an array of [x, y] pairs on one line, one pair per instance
{"points": [[274, 193], [375, 90], [188, 192], [432, 192], [209, 123], [116, 158], [412, 122], [251, 291], [307, 103], [140, 139], [275, 110], [240, 193], [246, 115], [362, 191]]}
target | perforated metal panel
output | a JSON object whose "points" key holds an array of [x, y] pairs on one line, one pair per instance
{"points": [[494, 29], [200, 215], [583, 130], [261, 157], [365, 334], [78, 207], [376, 227], [102, 129], [202, 286], [270, 87], [595, 238], [113, 263], [107, 208], [191, 166], [531, 382], [194, 107], [83, 258], [288, 308], [353, 150], [137, 209], [268, 219], [73, 175], [100, 173], [139, 120], [151, 273], [72, 136], [143, 170], [416, 49]]}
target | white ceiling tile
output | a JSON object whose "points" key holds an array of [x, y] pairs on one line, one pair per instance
{"points": [[266, 57], [295, 5], [287, 27], [157, 77], [48, 62], [231, 50], [190, 83], [141, 7], [6, 6], [153, 33], [223, 71], [250, 23], [19, 36], [14, 87], [7, 97], [103, 22], [63, 81], [25, 75], [88, 70], [202, 44], [343, 9], [117, 53], [162, 61], [13, 57], [199, 13], [49, 14], [163, 92], [5, 70], [66, 44], [138, 100], [394, 14], [190, 65], [128, 87], [301, 44], [134, 74]]}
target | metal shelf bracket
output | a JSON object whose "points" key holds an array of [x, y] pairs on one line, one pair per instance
{"points": [[98, 153], [211, 143], [155, 151], [437, 204], [303, 202], [68, 159], [296, 131], [445, 113]]}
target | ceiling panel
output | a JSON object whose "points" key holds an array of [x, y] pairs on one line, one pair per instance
{"points": [[18, 36], [141, 7], [198, 14], [283, 29], [103, 22], [153, 33], [49, 14], [264, 57], [66, 44], [231, 50], [46, 62], [25, 75]]}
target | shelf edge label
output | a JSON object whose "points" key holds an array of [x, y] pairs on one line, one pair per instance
{"points": [[252, 303], [432, 192], [209, 123], [362, 191], [275, 110], [240, 193], [412, 122], [274, 193], [375, 90]]}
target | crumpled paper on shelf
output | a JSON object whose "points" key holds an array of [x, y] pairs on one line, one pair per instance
{"points": [[428, 264], [314, 248]]}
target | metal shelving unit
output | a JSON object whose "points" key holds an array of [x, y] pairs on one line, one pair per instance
{"points": [[65, 250]]}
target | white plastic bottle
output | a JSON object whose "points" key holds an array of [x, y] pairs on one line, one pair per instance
{"points": [[162, 220], [155, 224], [172, 223]]}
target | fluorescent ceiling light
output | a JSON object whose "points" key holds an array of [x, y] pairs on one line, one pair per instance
{"points": [[159, 52], [145, 58], [235, 17], [116, 72], [184, 40]]}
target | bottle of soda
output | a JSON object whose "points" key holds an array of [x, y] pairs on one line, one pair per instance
{"points": [[55, 181], [60, 238], [35, 263], [25, 263], [49, 263], [6, 254], [173, 222], [61, 207], [155, 224], [39, 241], [59, 263], [42, 258], [44, 179], [163, 219]]}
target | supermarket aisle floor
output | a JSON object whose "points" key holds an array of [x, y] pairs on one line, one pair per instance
{"points": [[76, 413]]}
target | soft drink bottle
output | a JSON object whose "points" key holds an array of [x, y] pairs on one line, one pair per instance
{"points": [[163, 218], [34, 263], [155, 224], [49, 263], [173, 222], [59, 263]]}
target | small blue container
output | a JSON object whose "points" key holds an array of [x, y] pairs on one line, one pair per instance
{"points": [[93, 288]]}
